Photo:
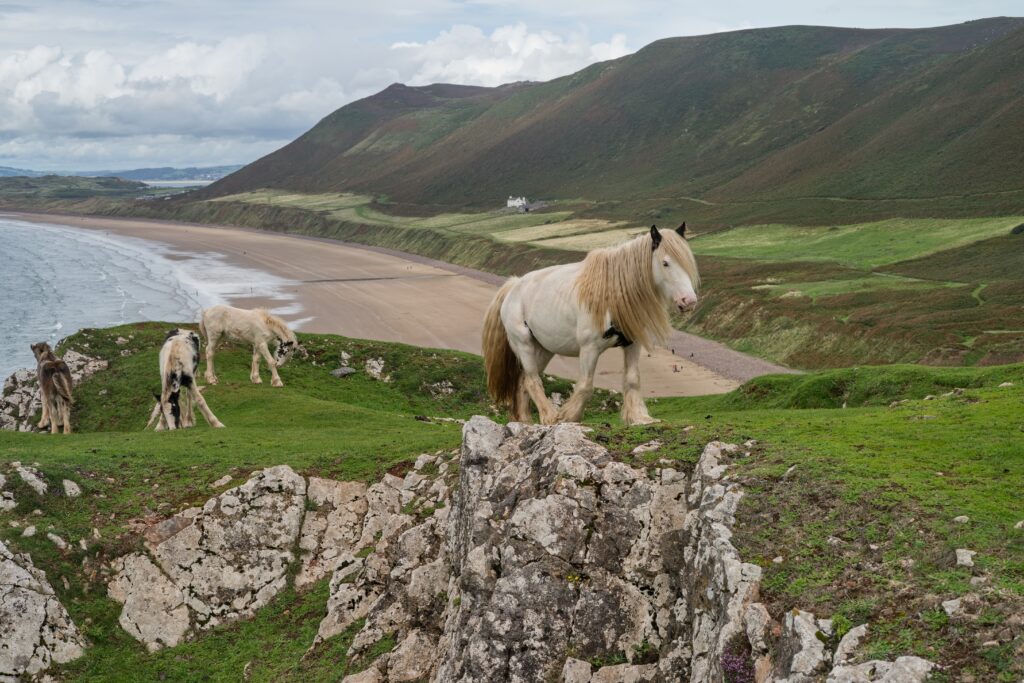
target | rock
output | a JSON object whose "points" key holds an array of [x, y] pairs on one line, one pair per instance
{"points": [[226, 559], [1019, 525], [7, 502], [371, 675], [576, 671], [802, 656], [154, 610], [848, 645], [778, 559], [35, 629], [29, 531], [223, 481], [71, 489], [34, 479], [647, 447], [903, 670], [441, 389], [1004, 385], [343, 372], [331, 533], [374, 367], [57, 541], [964, 557], [951, 607], [120, 341], [962, 519], [413, 659], [625, 673]]}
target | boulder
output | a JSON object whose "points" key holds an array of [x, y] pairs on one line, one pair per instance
{"points": [[35, 629]]}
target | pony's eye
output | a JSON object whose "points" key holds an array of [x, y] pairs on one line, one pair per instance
{"points": [[665, 263]]}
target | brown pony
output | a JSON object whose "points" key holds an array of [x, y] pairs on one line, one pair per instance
{"points": [[54, 388]]}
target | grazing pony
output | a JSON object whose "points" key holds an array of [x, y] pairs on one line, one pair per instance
{"points": [[179, 362], [618, 296], [256, 327], [54, 388]]}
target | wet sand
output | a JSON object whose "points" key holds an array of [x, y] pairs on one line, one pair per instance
{"points": [[379, 294]]}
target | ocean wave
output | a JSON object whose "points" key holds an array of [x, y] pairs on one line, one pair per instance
{"points": [[58, 280]]}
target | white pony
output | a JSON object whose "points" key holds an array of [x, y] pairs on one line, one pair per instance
{"points": [[179, 362], [619, 296], [256, 327]]}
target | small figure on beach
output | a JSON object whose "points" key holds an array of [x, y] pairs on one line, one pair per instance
{"points": [[54, 378]]}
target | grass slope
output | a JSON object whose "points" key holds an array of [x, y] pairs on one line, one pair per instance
{"points": [[885, 481]]}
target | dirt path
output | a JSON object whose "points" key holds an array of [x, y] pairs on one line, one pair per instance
{"points": [[376, 293]]}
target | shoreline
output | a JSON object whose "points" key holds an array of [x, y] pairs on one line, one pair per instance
{"points": [[372, 292]]}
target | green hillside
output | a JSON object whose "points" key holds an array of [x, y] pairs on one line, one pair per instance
{"points": [[880, 472], [754, 122]]}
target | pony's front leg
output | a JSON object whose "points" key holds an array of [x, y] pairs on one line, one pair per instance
{"points": [[634, 410], [254, 374], [573, 409], [197, 397], [275, 379]]}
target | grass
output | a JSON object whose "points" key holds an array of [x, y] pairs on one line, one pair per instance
{"points": [[862, 245], [868, 474]]}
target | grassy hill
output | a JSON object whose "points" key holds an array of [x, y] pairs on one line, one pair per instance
{"points": [[777, 124], [858, 502]]}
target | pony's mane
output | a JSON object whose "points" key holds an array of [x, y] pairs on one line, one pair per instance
{"points": [[277, 326], [619, 281]]}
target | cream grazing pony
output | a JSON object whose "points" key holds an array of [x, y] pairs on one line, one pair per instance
{"points": [[619, 296], [256, 327], [179, 362]]}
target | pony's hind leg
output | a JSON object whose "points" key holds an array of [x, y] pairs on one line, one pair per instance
{"points": [[65, 411], [634, 410], [211, 346], [522, 412], [254, 373], [573, 409]]}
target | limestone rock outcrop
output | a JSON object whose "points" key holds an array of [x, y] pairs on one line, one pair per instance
{"points": [[35, 629], [213, 564]]}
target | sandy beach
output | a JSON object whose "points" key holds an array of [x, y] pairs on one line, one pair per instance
{"points": [[378, 294]]}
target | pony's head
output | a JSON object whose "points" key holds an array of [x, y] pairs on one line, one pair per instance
{"points": [[674, 269], [42, 351], [285, 350]]}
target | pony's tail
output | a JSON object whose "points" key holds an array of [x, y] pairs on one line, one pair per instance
{"points": [[504, 370], [59, 375], [202, 325]]}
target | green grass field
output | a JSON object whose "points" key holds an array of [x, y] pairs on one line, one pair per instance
{"points": [[885, 481], [863, 245]]}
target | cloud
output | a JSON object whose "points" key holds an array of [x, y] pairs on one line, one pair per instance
{"points": [[466, 54]]}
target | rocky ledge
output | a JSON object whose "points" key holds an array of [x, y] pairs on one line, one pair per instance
{"points": [[531, 555]]}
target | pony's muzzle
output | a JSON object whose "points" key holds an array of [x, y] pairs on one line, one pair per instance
{"points": [[686, 303]]}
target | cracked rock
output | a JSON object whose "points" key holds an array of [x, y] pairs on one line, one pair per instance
{"points": [[35, 629]]}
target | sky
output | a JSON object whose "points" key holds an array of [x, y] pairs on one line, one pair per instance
{"points": [[120, 84]]}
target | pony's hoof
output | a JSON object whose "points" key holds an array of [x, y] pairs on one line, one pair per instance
{"points": [[277, 383], [211, 380], [645, 420], [256, 381]]}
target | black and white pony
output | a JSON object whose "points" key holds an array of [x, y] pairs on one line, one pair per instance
{"points": [[179, 363]]}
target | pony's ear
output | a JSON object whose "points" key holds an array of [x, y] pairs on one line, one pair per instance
{"points": [[655, 237], [681, 230]]}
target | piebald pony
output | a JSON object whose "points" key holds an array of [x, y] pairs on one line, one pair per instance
{"points": [[179, 362], [618, 296], [256, 327]]}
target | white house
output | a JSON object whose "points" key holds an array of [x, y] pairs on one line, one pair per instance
{"points": [[517, 202]]}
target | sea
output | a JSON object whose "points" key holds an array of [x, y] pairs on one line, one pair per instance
{"points": [[56, 280]]}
